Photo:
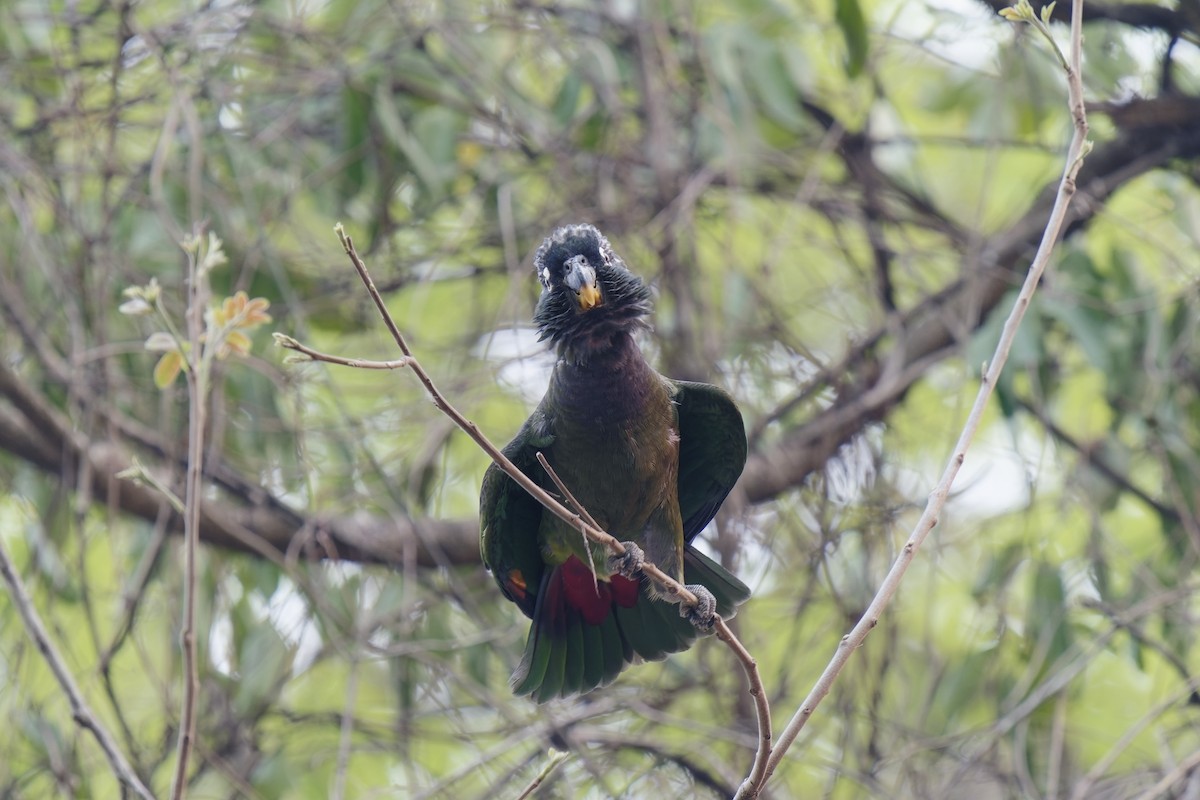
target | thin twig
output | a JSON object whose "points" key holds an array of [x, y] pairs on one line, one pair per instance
{"points": [[1058, 679], [1160, 789], [583, 512], [759, 692], [668, 584], [1118, 748], [197, 384], [80, 710], [853, 640], [556, 758], [562, 487], [1093, 457], [135, 591], [1058, 734], [288, 342], [346, 732]]}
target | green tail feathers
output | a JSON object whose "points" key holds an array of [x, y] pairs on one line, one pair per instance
{"points": [[575, 660], [565, 655]]}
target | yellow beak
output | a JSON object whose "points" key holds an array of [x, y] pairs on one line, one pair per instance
{"points": [[589, 297]]}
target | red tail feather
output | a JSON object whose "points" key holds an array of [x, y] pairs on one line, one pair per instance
{"points": [[625, 591], [574, 584]]}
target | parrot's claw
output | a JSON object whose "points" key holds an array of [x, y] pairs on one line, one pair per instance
{"points": [[628, 565], [704, 614]]}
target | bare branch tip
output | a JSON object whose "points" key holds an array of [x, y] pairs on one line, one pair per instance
{"points": [[134, 473]]}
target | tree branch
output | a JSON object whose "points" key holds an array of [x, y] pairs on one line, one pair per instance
{"points": [[878, 380], [1053, 228], [80, 710]]}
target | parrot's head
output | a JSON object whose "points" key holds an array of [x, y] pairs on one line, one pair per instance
{"points": [[588, 295]]}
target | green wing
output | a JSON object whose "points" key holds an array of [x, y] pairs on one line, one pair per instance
{"points": [[712, 452], [509, 518]]}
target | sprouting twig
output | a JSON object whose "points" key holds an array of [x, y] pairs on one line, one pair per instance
{"points": [[79, 708], [669, 585], [1076, 152], [138, 473], [285, 341], [197, 384], [1022, 11]]}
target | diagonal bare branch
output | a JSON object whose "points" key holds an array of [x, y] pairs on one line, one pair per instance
{"points": [[80, 710]]}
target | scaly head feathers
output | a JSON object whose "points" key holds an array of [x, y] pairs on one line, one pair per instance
{"points": [[588, 295]]}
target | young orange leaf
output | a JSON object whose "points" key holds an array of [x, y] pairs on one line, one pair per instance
{"points": [[242, 312], [236, 343]]}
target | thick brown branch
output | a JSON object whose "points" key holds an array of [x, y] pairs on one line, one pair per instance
{"points": [[882, 378], [268, 531]]}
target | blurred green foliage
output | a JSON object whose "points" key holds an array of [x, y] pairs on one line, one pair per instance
{"points": [[762, 164]]}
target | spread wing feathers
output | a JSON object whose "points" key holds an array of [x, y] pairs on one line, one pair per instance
{"points": [[712, 451], [509, 519], [566, 655]]}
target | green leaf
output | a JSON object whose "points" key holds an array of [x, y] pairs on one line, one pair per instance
{"points": [[437, 129], [593, 131], [355, 116], [999, 570], [1092, 330], [768, 75], [850, 19], [1048, 634], [567, 100], [961, 685], [476, 660], [263, 658], [428, 140]]}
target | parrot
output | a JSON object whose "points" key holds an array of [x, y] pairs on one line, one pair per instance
{"points": [[651, 460]]}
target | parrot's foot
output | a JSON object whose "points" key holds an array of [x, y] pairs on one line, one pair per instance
{"points": [[628, 565], [704, 614]]}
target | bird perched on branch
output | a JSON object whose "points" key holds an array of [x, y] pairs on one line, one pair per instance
{"points": [[651, 459]]}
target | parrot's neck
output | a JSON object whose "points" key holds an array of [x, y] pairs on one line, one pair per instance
{"points": [[614, 384]]}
